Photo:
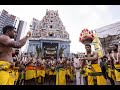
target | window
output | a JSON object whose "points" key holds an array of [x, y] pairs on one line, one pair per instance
{"points": [[65, 46], [50, 34], [51, 26]]}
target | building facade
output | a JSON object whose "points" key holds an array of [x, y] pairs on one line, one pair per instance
{"points": [[50, 35], [21, 30], [8, 19], [109, 34]]}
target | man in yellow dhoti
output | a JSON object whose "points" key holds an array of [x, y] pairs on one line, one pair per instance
{"points": [[60, 74], [110, 70], [42, 71], [52, 72], [68, 72], [72, 71], [38, 79], [46, 70], [115, 62], [17, 65], [95, 76], [6, 60], [30, 73]]}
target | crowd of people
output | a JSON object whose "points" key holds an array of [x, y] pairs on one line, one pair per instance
{"points": [[27, 69], [34, 71]]}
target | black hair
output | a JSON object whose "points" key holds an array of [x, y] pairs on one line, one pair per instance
{"points": [[76, 55], [7, 27], [104, 56], [60, 57], [88, 45], [116, 45], [16, 52], [109, 50]]}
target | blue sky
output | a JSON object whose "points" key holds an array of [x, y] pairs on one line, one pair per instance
{"points": [[74, 17]]}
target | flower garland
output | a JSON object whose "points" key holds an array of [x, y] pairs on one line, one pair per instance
{"points": [[88, 62], [86, 37]]}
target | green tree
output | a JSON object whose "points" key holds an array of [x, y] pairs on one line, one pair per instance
{"points": [[61, 51], [39, 51]]}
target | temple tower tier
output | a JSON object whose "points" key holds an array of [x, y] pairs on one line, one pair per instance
{"points": [[49, 36]]}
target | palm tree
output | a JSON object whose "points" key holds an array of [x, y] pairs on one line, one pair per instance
{"points": [[39, 51], [61, 51]]}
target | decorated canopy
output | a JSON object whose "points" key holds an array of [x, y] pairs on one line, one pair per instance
{"points": [[86, 36]]}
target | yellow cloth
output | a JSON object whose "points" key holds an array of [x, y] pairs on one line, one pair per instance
{"points": [[86, 73], [110, 73], [47, 71], [16, 75], [52, 73], [12, 76], [22, 75], [39, 79], [117, 74], [72, 77], [30, 74], [68, 72], [38, 73], [100, 79], [97, 45], [42, 73], [71, 74], [6, 77], [60, 77]]}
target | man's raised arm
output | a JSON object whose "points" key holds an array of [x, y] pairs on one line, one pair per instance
{"points": [[5, 40]]}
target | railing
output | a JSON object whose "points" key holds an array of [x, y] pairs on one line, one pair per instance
{"points": [[59, 39]]}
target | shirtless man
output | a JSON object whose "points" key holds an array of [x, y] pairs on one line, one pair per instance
{"points": [[115, 60], [110, 71], [93, 69], [30, 73], [6, 45]]}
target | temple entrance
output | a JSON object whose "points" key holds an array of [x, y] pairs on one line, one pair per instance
{"points": [[50, 50]]}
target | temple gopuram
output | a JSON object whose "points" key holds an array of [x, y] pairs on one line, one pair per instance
{"points": [[49, 36]]}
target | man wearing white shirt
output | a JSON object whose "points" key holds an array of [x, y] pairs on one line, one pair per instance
{"points": [[77, 66]]}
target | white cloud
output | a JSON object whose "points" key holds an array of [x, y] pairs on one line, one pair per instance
{"points": [[74, 17]]}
